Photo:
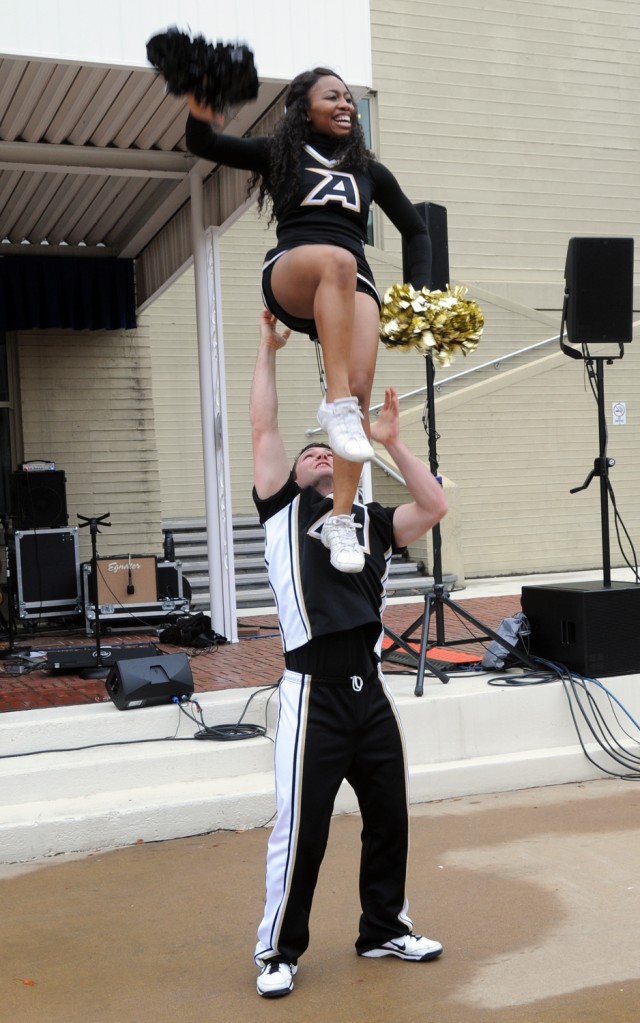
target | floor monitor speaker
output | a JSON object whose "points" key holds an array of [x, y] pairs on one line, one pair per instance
{"points": [[599, 286], [39, 500], [590, 628], [146, 681]]}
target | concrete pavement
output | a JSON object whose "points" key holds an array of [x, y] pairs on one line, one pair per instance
{"points": [[534, 895]]}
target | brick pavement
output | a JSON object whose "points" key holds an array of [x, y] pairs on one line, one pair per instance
{"points": [[255, 660]]}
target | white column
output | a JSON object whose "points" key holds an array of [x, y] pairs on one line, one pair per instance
{"points": [[213, 398]]}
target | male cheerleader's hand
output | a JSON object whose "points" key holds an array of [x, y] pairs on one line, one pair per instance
{"points": [[269, 336], [385, 429], [203, 111]]}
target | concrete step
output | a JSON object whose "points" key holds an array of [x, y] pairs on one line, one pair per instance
{"points": [[262, 596], [250, 561], [180, 525], [185, 552], [257, 596], [65, 791], [134, 766], [252, 587]]}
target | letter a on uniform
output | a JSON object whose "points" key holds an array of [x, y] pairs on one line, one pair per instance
{"points": [[334, 186]]}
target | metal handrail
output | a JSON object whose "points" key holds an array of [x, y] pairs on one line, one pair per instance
{"points": [[388, 470], [496, 363]]}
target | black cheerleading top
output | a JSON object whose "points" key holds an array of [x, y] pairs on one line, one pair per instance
{"points": [[331, 206], [312, 598]]}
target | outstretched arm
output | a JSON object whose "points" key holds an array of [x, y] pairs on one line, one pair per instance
{"points": [[403, 214], [270, 464], [429, 505], [204, 140]]}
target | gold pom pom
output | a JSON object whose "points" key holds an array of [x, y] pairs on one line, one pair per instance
{"points": [[440, 323]]}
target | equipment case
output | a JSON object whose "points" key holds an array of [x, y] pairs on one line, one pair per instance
{"points": [[129, 611], [47, 573]]}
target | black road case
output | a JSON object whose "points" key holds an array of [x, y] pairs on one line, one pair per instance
{"points": [[47, 573]]}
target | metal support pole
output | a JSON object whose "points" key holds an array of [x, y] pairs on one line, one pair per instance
{"points": [[215, 451], [604, 475]]}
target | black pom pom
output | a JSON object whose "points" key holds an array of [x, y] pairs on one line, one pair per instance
{"points": [[218, 75]]}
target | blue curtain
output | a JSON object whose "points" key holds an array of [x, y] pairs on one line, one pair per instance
{"points": [[37, 292]]}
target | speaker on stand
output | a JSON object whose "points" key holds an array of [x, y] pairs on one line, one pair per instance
{"points": [[437, 598], [599, 290], [590, 627], [435, 218]]}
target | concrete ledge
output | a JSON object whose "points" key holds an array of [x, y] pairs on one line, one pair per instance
{"points": [[464, 738]]}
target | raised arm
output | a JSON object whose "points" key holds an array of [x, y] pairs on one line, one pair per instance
{"points": [[429, 505], [270, 463], [205, 141]]}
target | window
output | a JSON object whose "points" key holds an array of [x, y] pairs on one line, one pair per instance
{"points": [[364, 110]]}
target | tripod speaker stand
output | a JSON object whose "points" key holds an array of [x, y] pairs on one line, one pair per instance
{"points": [[437, 599], [11, 650], [100, 670]]}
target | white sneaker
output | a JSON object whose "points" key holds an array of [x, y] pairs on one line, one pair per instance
{"points": [[339, 535], [342, 420], [276, 979], [413, 947]]}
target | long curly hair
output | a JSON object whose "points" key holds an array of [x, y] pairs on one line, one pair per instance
{"points": [[289, 136]]}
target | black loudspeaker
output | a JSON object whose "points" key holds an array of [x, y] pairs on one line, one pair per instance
{"points": [[435, 217], [599, 290], [590, 628], [145, 681], [39, 499]]}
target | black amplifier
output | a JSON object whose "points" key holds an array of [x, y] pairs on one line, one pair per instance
{"points": [[72, 659], [157, 592]]}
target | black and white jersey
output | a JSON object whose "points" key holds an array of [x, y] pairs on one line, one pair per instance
{"points": [[312, 598], [331, 205]]}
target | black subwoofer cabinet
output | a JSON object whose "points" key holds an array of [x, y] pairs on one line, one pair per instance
{"points": [[590, 628]]}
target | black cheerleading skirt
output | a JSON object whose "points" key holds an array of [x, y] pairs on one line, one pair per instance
{"points": [[364, 283]]}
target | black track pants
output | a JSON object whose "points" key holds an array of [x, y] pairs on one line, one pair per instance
{"points": [[327, 732]]}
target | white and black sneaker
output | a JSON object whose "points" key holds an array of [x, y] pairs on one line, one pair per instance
{"points": [[412, 947], [276, 979], [342, 419]]}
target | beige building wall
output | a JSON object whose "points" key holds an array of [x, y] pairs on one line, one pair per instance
{"points": [[87, 406], [520, 117], [171, 323]]}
